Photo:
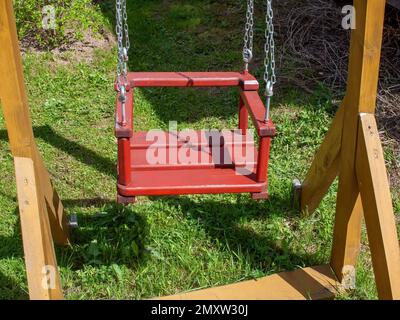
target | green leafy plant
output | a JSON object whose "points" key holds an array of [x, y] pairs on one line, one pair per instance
{"points": [[116, 235], [71, 20]]}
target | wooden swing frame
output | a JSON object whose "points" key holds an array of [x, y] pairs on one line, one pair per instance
{"points": [[351, 150]]}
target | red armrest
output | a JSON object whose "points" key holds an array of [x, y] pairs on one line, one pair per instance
{"points": [[256, 109]]}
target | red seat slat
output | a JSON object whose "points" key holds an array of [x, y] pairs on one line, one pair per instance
{"points": [[233, 150], [184, 181]]}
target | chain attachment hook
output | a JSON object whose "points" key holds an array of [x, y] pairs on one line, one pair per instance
{"points": [[247, 57], [125, 54], [122, 98], [248, 35], [269, 92]]}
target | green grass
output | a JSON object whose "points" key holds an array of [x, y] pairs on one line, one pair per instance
{"points": [[72, 20], [166, 245]]}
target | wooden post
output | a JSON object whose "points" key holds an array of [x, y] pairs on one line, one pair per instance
{"points": [[41, 264], [42, 214], [365, 50], [360, 164]]}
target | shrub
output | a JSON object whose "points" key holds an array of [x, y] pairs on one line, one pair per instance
{"points": [[72, 19]]}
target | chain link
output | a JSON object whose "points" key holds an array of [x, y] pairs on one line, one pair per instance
{"points": [[126, 28], [122, 32], [269, 61], [249, 34]]}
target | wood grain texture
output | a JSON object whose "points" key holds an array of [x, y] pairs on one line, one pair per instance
{"points": [[365, 50], [36, 234], [312, 283], [12, 88], [378, 210]]}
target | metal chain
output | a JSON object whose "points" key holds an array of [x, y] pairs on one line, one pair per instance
{"points": [[126, 28], [122, 32], [118, 30], [123, 42], [248, 35], [269, 61]]}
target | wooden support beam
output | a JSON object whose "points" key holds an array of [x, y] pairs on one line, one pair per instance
{"points": [[41, 211], [41, 265], [12, 89], [14, 103], [378, 210], [365, 49], [312, 283], [324, 168]]}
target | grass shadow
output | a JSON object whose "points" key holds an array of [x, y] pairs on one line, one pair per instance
{"points": [[11, 289], [229, 223], [114, 235], [11, 246], [74, 149]]}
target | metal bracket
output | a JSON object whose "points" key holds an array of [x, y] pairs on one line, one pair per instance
{"points": [[73, 221], [296, 194]]}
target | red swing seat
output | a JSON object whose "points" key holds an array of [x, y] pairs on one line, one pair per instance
{"points": [[137, 176]]}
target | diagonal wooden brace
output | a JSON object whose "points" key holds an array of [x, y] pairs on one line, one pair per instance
{"points": [[378, 211]]}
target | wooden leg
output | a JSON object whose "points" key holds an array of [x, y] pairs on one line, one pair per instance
{"points": [[378, 210], [124, 161], [263, 159], [41, 265], [346, 238], [347, 229], [262, 167], [325, 167], [362, 83]]}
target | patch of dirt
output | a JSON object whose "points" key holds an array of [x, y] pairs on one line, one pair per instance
{"points": [[77, 51]]}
